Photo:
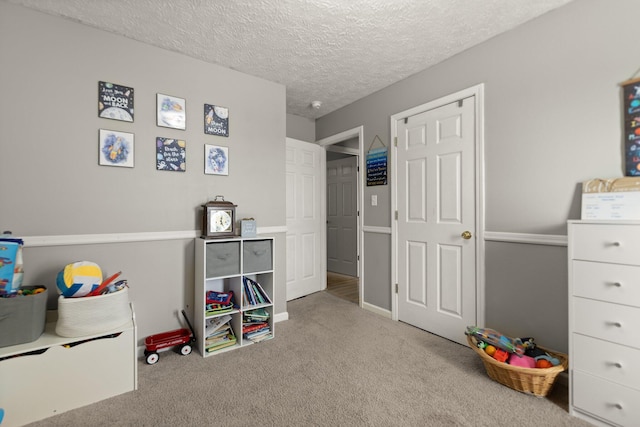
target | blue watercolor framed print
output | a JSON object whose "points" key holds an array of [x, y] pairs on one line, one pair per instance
{"points": [[115, 148], [216, 160]]}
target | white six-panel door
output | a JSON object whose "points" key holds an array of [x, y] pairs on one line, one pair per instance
{"points": [[342, 216], [436, 229], [306, 270]]}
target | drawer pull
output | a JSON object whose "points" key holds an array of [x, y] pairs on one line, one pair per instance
{"points": [[617, 405], [617, 284], [616, 324], [616, 244], [617, 365]]}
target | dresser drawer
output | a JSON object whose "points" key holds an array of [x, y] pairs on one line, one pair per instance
{"points": [[607, 282], [614, 362], [611, 322], [605, 399], [606, 243]]}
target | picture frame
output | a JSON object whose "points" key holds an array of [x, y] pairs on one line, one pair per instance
{"points": [[216, 120], [115, 101], [171, 154], [171, 112], [116, 148], [216, 160]]}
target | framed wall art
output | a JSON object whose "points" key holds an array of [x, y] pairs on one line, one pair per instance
{"points": [[216, 160], [115, 102], [171, 154], [216, 120], [115, 148], [171, 112]]}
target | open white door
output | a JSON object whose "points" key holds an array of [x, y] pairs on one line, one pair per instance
{"points": [[306, 269]]}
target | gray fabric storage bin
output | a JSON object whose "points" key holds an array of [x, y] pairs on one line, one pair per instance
{"points": [[257, 256], [22, 318], [223, 259]]}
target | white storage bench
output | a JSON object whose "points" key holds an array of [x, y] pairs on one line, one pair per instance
{"points": [[55, 374]]}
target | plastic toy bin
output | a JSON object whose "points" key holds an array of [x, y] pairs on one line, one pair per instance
{"points": [[22, 318]]}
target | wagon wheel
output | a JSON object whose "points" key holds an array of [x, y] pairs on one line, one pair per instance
{"points": [[185, 349], [152, 358]]}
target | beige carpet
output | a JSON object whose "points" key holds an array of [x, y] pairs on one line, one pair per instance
{"points": [[331, 364]]}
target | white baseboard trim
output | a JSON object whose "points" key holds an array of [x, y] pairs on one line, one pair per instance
{"points": [[534, 239], [281, 317], [377, 310], [97, 239]]}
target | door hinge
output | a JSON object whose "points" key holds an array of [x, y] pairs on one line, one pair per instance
{"points": [[396, 288], [395, 141], [396, 214], [460, 102], [358, 257]]}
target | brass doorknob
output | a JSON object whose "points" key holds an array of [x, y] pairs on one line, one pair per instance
{"points": [[466, 235]]}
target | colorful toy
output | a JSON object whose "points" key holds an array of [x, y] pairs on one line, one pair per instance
{"points": [[500, 355], [523, 361], [496, 339], [182, 337], [104, 284], [79, 279], [543, 363], [552, 360]]}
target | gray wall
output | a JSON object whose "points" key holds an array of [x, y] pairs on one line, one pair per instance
{"points": [[552, 120], [301, 128], [52, 184]]}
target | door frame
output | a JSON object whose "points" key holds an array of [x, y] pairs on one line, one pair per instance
{"points": [[478, 92], [357, 132]]}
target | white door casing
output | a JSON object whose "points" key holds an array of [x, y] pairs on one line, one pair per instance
{"points": [[342, 216], [306, 269], [330, 143], [437, 168]]}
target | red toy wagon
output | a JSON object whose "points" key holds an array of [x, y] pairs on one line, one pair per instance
{"points": [[182, 337]]}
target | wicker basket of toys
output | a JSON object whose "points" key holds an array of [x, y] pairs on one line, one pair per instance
{"points": [[536, 381]]}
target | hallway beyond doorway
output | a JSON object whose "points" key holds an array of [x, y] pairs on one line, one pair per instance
{"points": [[342, 286]]}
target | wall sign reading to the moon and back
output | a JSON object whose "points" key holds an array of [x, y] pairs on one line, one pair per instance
{"points": [[115, 102]]}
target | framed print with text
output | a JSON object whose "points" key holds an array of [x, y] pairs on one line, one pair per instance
{"points": [[171, 154], [216, 120], [115, 102]]}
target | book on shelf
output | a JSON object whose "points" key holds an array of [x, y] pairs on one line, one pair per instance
{"points": [[212, 325], [250, 327], [223, 337], [259, 335], [257, 315], [221, 346], [254, 292]]}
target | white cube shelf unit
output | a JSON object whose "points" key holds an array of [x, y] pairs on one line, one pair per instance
{"points": [[222, 266]]}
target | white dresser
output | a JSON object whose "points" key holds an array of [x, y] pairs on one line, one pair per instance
{"points": [[604, 321]]}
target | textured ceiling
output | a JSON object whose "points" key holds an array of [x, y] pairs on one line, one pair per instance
{"points": [[333, 51]]}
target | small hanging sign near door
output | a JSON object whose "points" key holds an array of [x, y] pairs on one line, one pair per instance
{"points": [[631, 99], [377, 164]]}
